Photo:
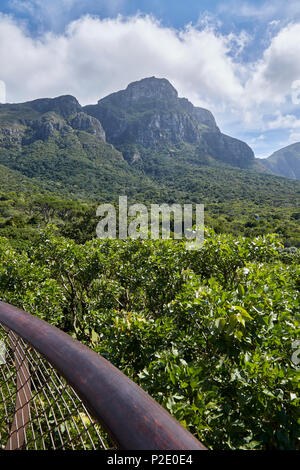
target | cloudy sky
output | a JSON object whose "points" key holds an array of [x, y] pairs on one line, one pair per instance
{"points": [[240, 59]]}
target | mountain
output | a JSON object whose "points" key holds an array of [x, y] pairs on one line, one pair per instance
{"points": [[39, 120], [60, 147], [58, 160], [150, 115], [144, 141], [285, 162]]}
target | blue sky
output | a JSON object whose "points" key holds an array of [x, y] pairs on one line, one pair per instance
{"points": [[240, 59], [175, 13], [171, 12]]}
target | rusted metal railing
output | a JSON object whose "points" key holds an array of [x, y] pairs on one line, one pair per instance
{"points": [[55, 393]]}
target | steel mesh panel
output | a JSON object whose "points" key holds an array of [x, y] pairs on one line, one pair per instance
{"points": [[38, 409]]}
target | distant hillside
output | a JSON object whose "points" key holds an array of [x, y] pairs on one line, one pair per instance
{"points": [[285, 162]]}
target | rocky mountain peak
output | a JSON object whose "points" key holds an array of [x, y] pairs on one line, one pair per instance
{"points": [[152, 88], [150, 114], [65, 105], [146, 91]]}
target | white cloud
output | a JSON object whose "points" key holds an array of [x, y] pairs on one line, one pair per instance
{"points": [[274, 75], [294, 137], [94, 57], [287, 121], [256, 140], [295, 94], [249, 10], [268, 10]]}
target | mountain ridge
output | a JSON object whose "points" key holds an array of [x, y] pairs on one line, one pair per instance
{"points": [[148, 114], [169, 149], [55, 156]]}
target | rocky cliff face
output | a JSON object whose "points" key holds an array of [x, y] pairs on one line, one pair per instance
{"points": [[65, 106], [145, 89], [59, 146], [11, 135], [45, 118], [83, 122], [149, 113]]}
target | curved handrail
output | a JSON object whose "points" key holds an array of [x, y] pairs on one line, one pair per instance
{"points": [[130, 416]]}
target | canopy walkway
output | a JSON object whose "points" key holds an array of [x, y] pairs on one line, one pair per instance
{"points": [[56, 393]]}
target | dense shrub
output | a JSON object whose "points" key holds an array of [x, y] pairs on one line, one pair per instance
{"points": [[207, 333]]}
